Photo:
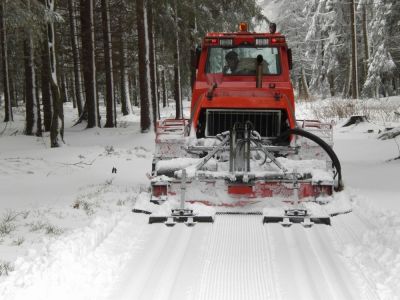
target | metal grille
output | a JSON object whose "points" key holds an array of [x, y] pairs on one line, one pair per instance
{"points": [[266, 122]]}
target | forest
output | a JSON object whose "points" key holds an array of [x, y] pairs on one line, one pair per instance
{"points": [[124, 53], [349, 49], [163, 149]]}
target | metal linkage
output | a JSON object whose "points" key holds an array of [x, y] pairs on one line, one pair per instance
{"points": [[242, 141], [181, 214], [239, 154], [240, 149], [255, 138], [298, 210], [270, 148], [217, 149]]}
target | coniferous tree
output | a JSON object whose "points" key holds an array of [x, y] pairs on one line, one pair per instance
{"points": [[381, 63], [354, 62], [57, 113], [177, 73], [152, 62], [110, 118], [45, 85], [8, 116], [30, 95], [126, 106], [88, 62], [75, 55], [141, 15]]}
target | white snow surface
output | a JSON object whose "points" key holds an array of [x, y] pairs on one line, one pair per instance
{"points": [[67, 230]]}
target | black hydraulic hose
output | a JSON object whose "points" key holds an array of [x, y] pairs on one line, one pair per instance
{"points": [[332, 155]]}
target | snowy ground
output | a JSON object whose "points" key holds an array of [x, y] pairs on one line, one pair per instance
{"points": [[67, 231]]}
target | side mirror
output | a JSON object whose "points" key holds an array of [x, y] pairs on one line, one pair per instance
{"points": [[290, 58]]}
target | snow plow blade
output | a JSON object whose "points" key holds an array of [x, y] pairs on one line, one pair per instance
{"points": [[185, 216], [286, 217], [195, 219], [297, 219]]}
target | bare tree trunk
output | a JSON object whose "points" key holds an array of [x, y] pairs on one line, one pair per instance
{"points": [[58, 113], [152, 62], [134, 88], [158, 91], [45, 83], [193, 29], [30, 100], [8, 116], [305, 85], [39, 130], [75, 56], [13, 92], [164, 88], [354, 76], [300, 88], [365, 39], [64, 91], [71, 87], [349, 77], [331, 80], [177, 74], [88, 62], [126, 106], [105, 12], [396, 85], [145, 121]]}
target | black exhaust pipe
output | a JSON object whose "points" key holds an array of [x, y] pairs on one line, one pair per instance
{"points": [[259, 70]]}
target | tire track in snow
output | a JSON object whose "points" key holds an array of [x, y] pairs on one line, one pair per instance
{"points": [[333, 269], [347, 227], [286, 271], [111, 256], [363, 218], [161, 280], [308, 274], [142, 263], [186, 283]]}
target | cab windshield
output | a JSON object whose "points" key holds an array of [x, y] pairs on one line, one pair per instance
{"points": [[242, 60]]}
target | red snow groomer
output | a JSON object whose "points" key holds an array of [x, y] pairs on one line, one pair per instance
{"points": [[242, 151]]}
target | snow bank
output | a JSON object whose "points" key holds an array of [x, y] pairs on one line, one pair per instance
{"points": [[341, 204], [143, 203], [59, 268], [376, 110], [377, 253]]}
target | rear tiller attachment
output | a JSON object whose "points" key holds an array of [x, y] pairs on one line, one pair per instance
{"points": [[297, 213], [241, 187], [181, 214]]}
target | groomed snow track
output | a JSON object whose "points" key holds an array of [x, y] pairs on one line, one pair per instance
{"points": [[239, 258], [236, 257]]}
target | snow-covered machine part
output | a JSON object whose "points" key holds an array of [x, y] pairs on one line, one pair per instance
{"points": [[242, 150], [181, 214]]}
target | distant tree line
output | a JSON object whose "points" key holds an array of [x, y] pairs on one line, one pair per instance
{"points": [[115, 53], [343, 48]]}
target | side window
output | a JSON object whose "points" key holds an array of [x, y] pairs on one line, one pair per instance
{"points": [[271, 56], [215, 60]]}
